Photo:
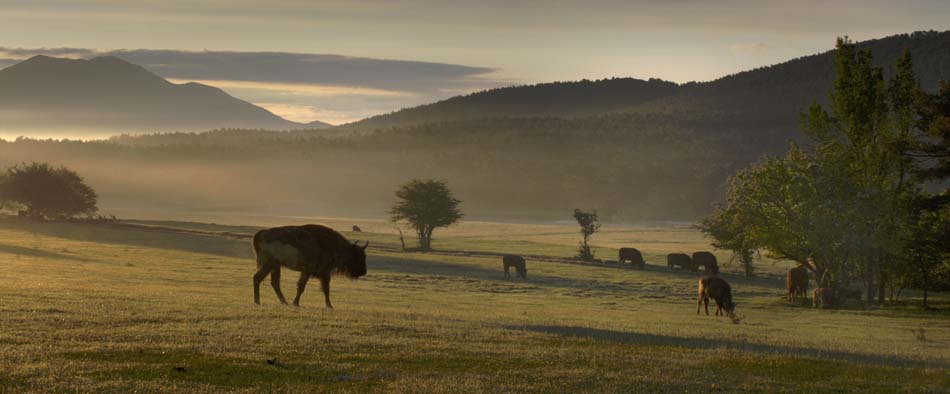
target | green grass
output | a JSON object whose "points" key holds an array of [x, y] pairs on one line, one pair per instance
{"points": [[98, 308]]}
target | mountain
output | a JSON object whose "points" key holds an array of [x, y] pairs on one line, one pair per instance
{"points": [[318, 125], [771, 94], [109, 95]]}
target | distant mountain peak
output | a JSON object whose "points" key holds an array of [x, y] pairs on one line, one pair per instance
{"points": [[110, 93]]}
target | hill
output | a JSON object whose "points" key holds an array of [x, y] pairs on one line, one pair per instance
{"points": [[770, 94], [109, 95]]}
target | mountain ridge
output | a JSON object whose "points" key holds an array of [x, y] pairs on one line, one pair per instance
{"points": [[109, 94]]}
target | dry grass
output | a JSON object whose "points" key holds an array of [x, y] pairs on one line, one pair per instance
{"points": [[102, 309]]}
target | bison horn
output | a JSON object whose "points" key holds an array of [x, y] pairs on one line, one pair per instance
{"points": [[366, 245]]}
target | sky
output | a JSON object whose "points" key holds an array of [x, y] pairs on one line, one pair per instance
{"points": [[342, 61]]}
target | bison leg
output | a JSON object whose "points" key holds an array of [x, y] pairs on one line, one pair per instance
{"points": [[301, 284], [706, 304], [259, 276], [275, 283], [325, 286], [699, 304], [506, 271]]}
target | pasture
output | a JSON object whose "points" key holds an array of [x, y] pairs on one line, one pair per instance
{"points": [[168, 308]]}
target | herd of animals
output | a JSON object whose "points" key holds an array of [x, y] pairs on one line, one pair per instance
{"points": [[319, 251]]}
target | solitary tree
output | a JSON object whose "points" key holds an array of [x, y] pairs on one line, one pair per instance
{"points": [[589, 226], [425, 205], [48, 192]]}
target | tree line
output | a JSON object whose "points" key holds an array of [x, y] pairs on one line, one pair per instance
{"points": [[856, 202]]}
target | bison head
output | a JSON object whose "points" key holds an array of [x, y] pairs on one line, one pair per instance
{"points": [[355, 266]]}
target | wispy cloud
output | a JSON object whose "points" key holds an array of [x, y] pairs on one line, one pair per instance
{"points": [[299, 85]]}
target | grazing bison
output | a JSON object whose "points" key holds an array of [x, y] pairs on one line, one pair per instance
{"points": [[510, 260], [313, 250], [796, 280], [719, 290], [357, 229], [633, 256], [680, 259], [707, 261]]}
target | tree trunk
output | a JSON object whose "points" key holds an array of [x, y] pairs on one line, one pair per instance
{"points": [[926, 285], [882, 282], [869, 280]]}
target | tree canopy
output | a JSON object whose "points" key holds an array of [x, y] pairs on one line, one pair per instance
{"points": [[425, 205], [48, 192]]}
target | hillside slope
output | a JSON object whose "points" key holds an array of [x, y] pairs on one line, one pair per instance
{"points": [[110, 94]]}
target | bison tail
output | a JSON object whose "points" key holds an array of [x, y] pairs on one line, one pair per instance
{"points": [[256, 246]]}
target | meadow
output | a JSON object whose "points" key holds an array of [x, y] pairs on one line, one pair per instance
{"points": [[166, 306]]}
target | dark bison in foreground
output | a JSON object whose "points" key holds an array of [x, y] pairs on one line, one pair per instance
{"points": [[313, 250], [510, 260], [680, 259], [796, 282], [707, 261], [719, 290], [633, 256]]}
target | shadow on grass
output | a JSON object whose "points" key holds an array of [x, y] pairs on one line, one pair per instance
{"points": [[143, 237], [23, 251], [705, 343]]}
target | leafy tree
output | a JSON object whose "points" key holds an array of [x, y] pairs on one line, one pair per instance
{"points": [[728, 233], [589, 225], [844, 205], [425, 205], [48, 192]]}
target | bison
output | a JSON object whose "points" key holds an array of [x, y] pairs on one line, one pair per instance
{"points": [[357, 229], [719, 290], [313, 250], [510, 260], [633, 256], [680, 259], [707, 261], [824, 297], [796, 281]]}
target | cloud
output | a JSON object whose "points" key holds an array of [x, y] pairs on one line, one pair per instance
{"points": [[286, 68], [300, 86]]}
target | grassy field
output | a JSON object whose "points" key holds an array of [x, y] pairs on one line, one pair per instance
{"points": [[167, 308]]}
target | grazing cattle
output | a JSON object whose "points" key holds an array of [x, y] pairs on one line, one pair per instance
{"points": [[707, 261], [633, 256], [680, 259], [823, 297], [719, 290], [796, 281], [357, 229], [510, 260], [313, 250]]}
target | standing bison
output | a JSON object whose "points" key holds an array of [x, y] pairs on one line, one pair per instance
{"points": [[796, 281], [633, 256], [680, 259], [313, 250], [510, 260], [707, 261]]}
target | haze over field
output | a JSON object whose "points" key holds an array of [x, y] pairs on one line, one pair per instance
{"points": [[608, 196]]}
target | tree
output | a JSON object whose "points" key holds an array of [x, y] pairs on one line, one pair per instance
{"points": [[589, 226], [48, 192], [727, 232], [425, 205], [845, 204]]}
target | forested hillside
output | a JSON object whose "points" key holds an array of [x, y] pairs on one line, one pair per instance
{"points": [[634, 150]]}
